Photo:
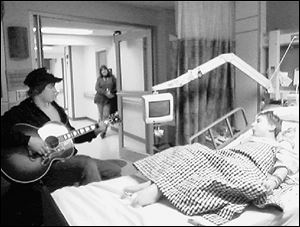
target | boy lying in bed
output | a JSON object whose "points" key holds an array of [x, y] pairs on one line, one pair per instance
{"points": [[196, 174]]}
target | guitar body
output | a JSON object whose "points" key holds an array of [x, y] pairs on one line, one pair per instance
{"points": [[20, 165]]}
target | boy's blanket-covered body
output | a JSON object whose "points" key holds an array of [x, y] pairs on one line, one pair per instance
{"points": [[214, 184]]}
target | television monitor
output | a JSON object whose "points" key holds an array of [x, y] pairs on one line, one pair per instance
{"points": [[158, 108]]}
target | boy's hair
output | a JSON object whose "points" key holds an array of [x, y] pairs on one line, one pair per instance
{"points": [[273, 120]]}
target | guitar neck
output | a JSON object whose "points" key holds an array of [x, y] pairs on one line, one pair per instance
{"points": [[78, 132], [84, 130]]}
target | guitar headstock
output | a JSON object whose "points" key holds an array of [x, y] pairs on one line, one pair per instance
{"points": [[113, 119]]}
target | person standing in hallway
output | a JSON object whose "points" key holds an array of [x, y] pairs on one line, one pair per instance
{"points": [[106, 90]]}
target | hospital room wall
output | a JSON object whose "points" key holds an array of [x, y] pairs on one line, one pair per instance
{"points": [[253, 20], [249, 27], [17, 13]]}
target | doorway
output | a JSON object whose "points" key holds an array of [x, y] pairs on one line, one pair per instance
{"points": [[79, 60]]}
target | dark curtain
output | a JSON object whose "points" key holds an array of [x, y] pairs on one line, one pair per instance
{"points": [[203, 100]]}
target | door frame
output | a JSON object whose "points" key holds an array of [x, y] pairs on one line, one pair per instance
{"points": [[40, 15], [68, 85], [148, 83]]}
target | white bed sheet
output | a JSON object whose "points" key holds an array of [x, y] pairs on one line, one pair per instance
{"points": [[99, 203]]}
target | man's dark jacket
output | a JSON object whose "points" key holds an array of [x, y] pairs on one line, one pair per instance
{"points": [[28, 112]]}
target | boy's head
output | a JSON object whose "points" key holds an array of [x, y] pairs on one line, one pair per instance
{"points": [[267, 123]]}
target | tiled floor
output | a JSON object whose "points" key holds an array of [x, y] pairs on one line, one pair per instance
{"points": [[106, 148]]}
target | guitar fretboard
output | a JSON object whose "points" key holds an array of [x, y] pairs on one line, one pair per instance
{"points": [[75, 133]]}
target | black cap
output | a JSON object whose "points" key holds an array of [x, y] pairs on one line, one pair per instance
{"points": [[40, 76]]}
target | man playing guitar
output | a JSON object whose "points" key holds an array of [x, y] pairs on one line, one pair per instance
{"points": [[28, 158], [38, 109]]}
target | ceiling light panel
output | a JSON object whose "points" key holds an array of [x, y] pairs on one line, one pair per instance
{"points": [[68, 31]]}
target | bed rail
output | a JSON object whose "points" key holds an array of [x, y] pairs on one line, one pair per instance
{"points": [[217, 144]]}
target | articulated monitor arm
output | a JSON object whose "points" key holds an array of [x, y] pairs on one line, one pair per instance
{"points": [[211, 65]]}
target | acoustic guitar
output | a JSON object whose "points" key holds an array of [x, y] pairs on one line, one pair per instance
{"points": [[21, 165]]}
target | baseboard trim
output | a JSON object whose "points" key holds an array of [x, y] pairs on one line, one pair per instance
{"points": [[137, 138]]}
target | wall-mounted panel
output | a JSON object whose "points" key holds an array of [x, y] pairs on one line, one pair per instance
{"points": [[246, 89], [18, 42], [249, 18]]}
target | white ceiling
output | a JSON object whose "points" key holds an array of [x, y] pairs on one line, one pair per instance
{"points": [[169, 5], [107, 30], [98, 29]]}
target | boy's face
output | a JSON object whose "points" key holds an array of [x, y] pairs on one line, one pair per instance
{"points": [[261, 126]]}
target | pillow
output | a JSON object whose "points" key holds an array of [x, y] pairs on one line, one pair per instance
{"points": [[286, 113], [290, 123], [289, 135]]}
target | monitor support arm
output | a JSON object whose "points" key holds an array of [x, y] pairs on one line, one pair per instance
{"points": [[211, 65]]}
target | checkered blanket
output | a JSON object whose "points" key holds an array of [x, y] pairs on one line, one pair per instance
{"points": [[214, 184]]}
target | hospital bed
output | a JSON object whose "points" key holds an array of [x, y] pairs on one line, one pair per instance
{"points": [[99, 203]]}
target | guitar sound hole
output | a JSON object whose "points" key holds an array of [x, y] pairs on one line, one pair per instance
{"points": [[52, 141]]}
